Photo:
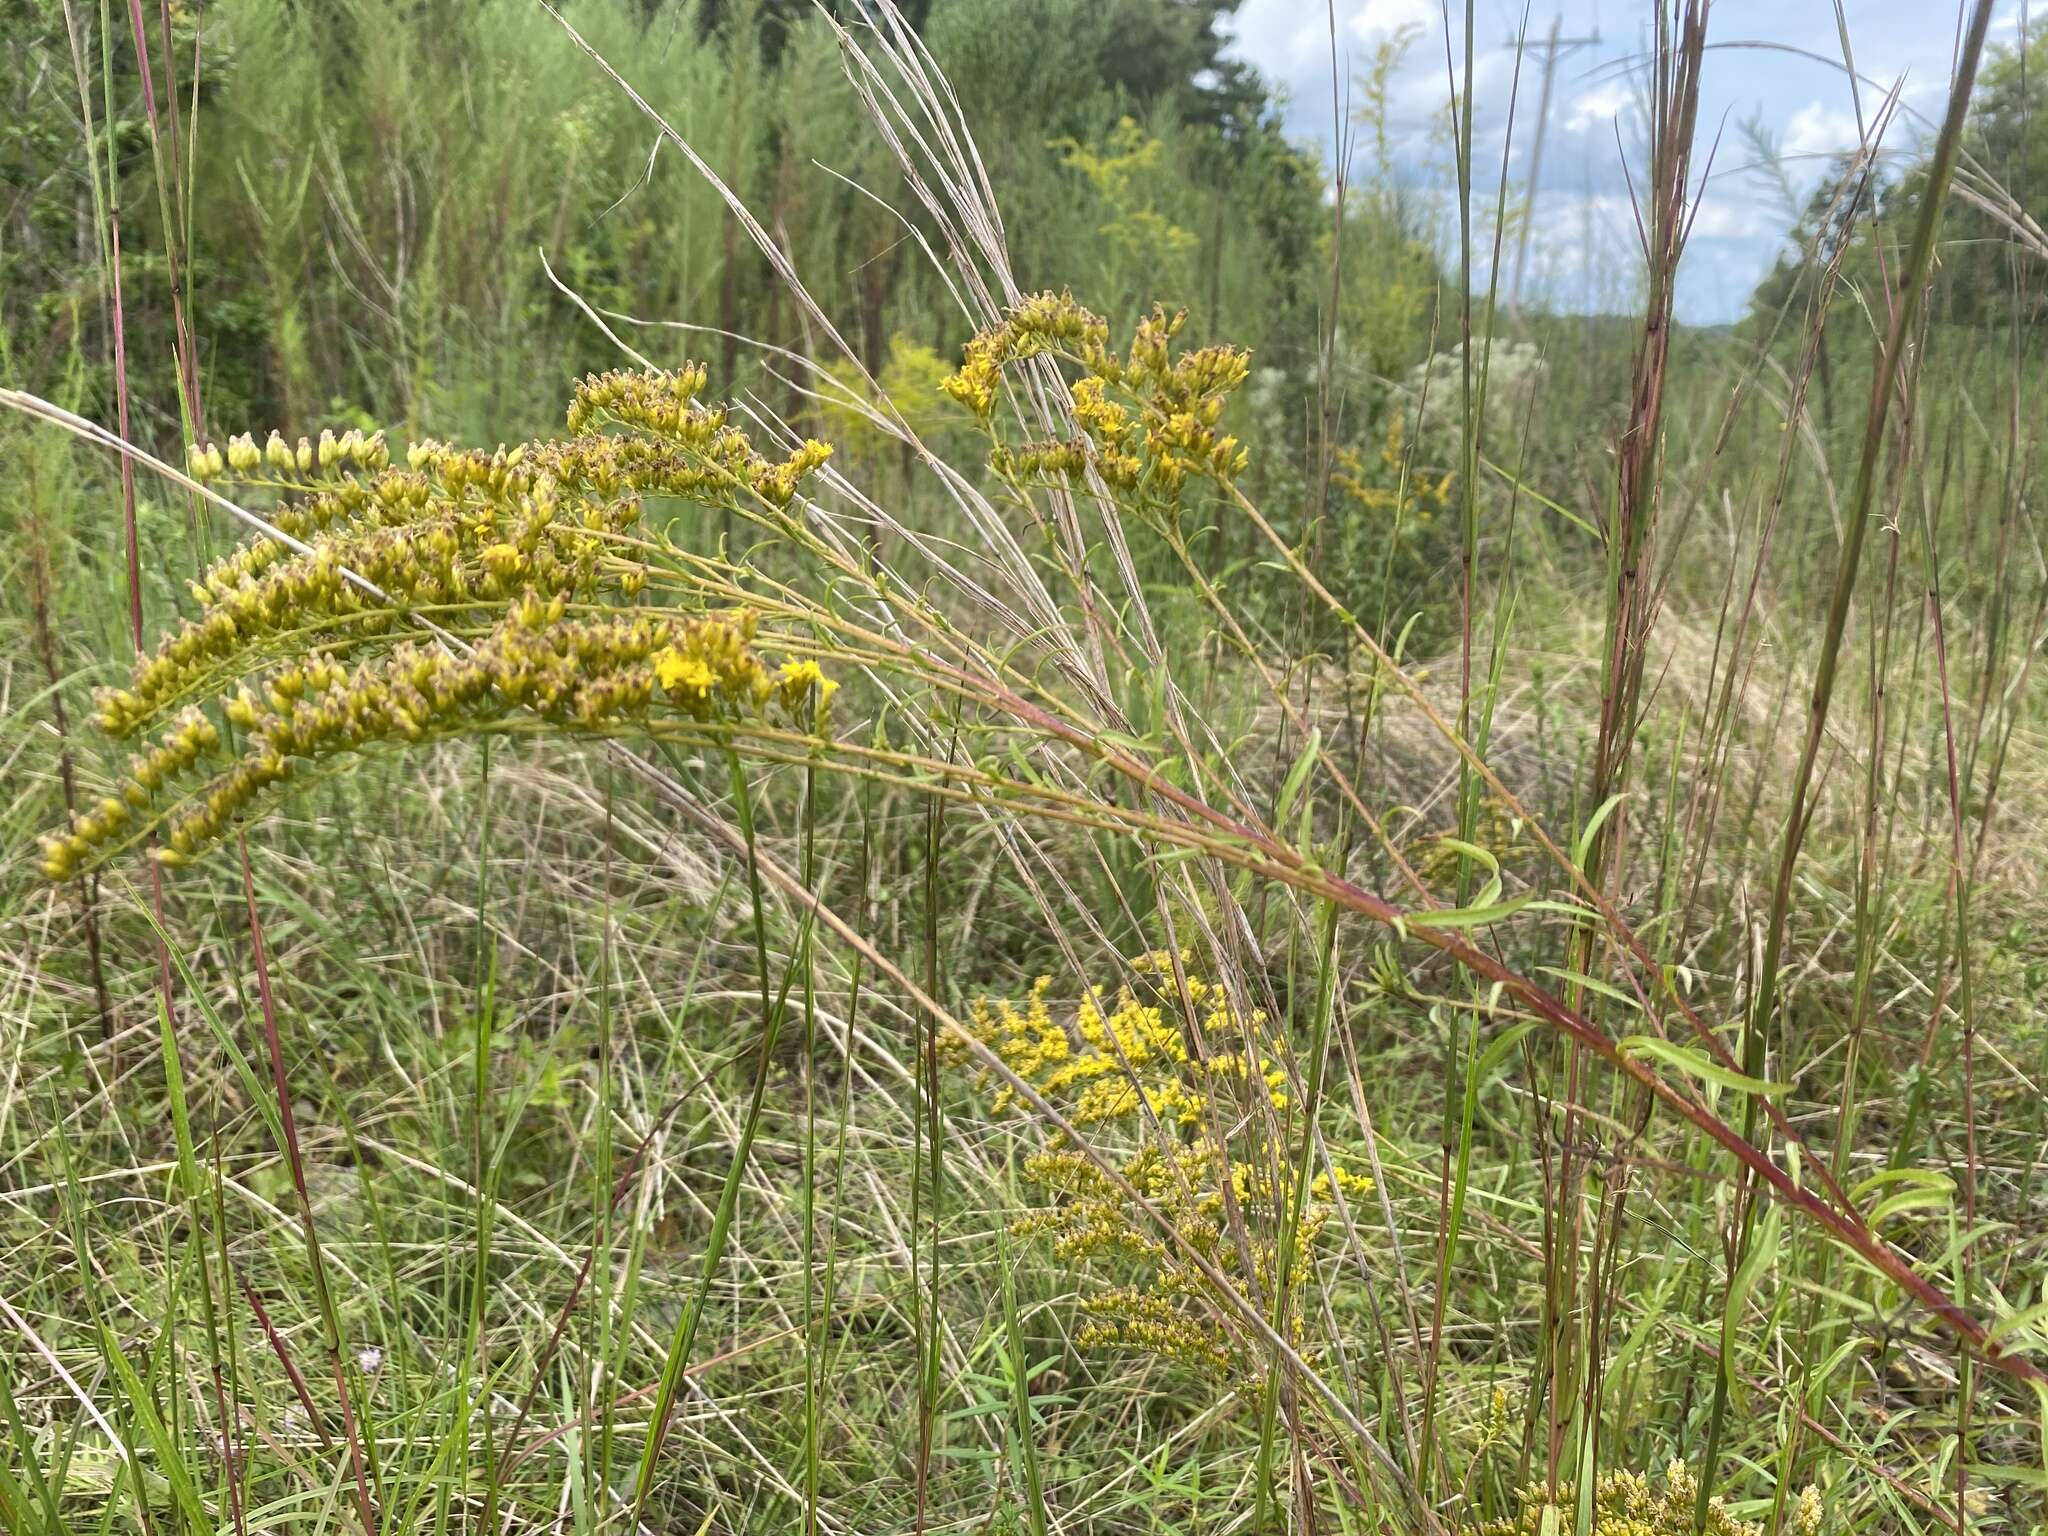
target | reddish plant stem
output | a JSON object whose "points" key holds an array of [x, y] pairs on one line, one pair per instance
{"points": [[1842, 1220], [291, 1368], [289, 1126]]}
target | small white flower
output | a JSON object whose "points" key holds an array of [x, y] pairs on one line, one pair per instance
{"points": [[370, 1359]]}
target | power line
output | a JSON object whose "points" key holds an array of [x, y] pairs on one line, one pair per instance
{"points": [[1554, 47]]}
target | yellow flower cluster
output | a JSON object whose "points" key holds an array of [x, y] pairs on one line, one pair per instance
{"points": [[1379, 487], [1502, 1404], [1050, 460], [332, 455], [1154, 1323], [589, 675], [316, 649], [1189, 1147], [1625, 1503], [1044, 322], [1166, 428], [474, 538], [718, 458], [663, 404]]}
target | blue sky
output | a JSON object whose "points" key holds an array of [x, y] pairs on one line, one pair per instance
{"points": [[1583, 245]]}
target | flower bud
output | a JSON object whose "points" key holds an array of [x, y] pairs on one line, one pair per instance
{"points": [[277, 453], [60, 859], [243, 454]]}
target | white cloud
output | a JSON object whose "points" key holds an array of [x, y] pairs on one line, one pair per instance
{"points": [[1724, 218], [1421, 97], [1584, 251], [1378, 20], [1287, 42], [1585, 254], [1817, 132], [1600, 106]]}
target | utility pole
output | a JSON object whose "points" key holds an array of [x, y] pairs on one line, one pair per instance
{"points": [[1553, 47]]}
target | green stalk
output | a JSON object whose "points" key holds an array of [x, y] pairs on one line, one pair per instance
{"points": [[14, 1498], [932, 1133], [594, 1464], [1286, 1239], [475, 1347], [808, 1197], [1905, 321], [1467, 782], [829, 1293], [193, 1189], [1020, 1392], [772, 1008]]}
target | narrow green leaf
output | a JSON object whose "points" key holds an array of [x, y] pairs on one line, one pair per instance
{"points": [[1467, 917], [1696, 1064]]}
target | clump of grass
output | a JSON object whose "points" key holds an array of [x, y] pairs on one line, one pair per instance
{"points": [[1223, 1216]]}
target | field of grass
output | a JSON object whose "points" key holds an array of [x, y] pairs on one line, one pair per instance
{"points": [[992, 908]]}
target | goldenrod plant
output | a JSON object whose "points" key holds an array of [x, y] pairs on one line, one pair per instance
{"points": [[1628, 1503], [1186, 1079], [337, 632]]}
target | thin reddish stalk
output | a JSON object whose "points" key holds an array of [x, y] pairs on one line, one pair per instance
{"points": [[291, 1368], [121, 426], [289, 1125], [169, 191], [134, 557], [1280, 861], [185, 360], [1961, 878]]}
